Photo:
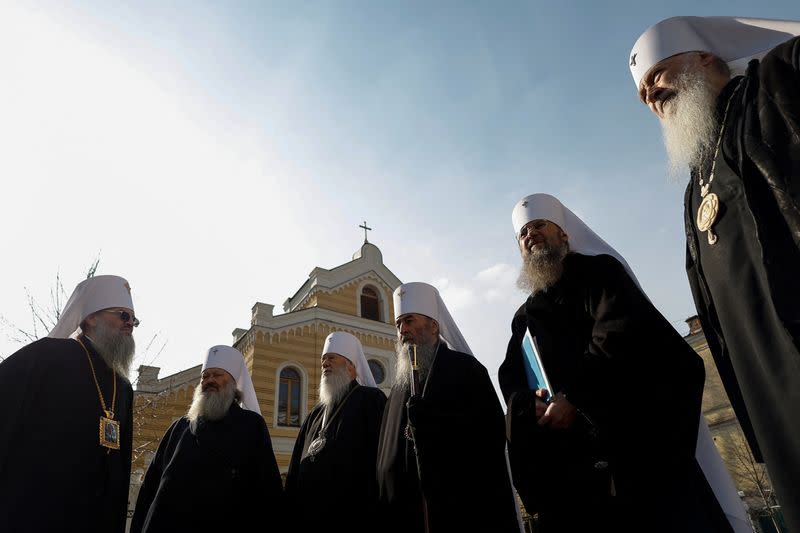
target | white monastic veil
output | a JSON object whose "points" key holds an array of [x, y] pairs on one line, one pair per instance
{"points": [[424, 299], [735, 40], [91, 295], [347, 345], [232, 361], [585, 241]]}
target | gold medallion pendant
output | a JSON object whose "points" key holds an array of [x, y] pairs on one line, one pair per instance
{"points": [[707, 215], [109, 432]]}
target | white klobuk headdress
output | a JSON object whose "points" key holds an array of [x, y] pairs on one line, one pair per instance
{"points": [[424, 299], [582, 239], [735, 40], [232, 361], [347, 345], [91, 295]]}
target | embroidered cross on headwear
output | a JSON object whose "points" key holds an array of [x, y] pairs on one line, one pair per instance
{"points": [[633, 60], [525, 203]]}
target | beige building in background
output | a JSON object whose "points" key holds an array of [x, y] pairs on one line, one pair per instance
{"points": [[724, 426], [282, 353]]}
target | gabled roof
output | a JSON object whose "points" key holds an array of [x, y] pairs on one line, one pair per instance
{"points": [[367, 260]]}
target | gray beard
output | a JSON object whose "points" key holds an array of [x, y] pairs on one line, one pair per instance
{"points": [[425, 354], [691, 129], [210, 405], [115, 348], [542, 268], [333, 387]]}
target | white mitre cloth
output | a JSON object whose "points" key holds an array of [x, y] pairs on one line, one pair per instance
{"points": [[735, 40], [424, 299], [582, 239], [232, 361], [347, 345], [91, 295]]}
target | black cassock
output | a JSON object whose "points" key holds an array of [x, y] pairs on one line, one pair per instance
{"points": [[458, 429], [54, 474], [746, 285], [225, 478], [324, 487], [619, 362]]}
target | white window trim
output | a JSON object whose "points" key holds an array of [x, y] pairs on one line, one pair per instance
{"points": [[303, 393], [381, 299]]}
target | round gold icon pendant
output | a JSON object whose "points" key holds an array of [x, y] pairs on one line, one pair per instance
{"points": [[707, 215]]}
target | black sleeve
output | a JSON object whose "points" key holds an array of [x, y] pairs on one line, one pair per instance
{"points": [[511, 374], [270, 489], [635, 352], [292, 476], [152, 479], [16, 373]]}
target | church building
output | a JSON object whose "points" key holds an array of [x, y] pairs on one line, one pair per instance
{"points": [[282, 353]]}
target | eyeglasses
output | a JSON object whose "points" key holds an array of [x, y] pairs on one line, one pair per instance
{"points": [[124, 316]]}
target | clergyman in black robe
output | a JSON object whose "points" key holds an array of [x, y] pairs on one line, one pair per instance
{"points": [[333, 464], [215, 469], [615, 448], [441, 457], [743, 246], [55, 472]]}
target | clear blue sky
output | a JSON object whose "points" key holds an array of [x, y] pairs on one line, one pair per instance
{"points": [[214, 153]]}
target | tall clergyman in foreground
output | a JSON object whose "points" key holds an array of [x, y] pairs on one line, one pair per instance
{"points": [[66, 428], [612, 446], [441, 457], [737, 137], [214, 469], [333, 464]]}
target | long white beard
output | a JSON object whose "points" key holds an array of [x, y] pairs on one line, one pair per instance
{"points": [[210, 404], [333, 386], [115, 348], [425, 354], [542, 268], [690, 129]]}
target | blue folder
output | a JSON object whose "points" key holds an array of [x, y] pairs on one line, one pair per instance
{"points": [[534, 369]]}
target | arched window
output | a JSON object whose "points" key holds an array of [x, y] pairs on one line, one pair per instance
{"points": [[370, 304], [377, 371], [289, 398]]}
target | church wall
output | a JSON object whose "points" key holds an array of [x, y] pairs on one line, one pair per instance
{"points": [[342, 300], [299, 347], [153, 414], [267, 352], [724, 426]]}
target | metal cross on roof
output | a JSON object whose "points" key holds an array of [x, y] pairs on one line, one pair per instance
{"points": [[365, 231]]}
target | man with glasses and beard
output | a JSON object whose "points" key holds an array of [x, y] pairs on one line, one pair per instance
{"points": [[441, 457], [737, 139], [333, 464], [613, 446], [66, 428], [214, 469]]}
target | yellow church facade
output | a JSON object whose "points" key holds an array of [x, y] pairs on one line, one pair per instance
{"points": [[282, 353]]}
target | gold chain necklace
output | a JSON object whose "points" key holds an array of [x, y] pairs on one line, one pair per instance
{"points": [[109, 428], [709, 206]]}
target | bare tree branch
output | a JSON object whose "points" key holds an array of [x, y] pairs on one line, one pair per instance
{"points": [[746, 467]]}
